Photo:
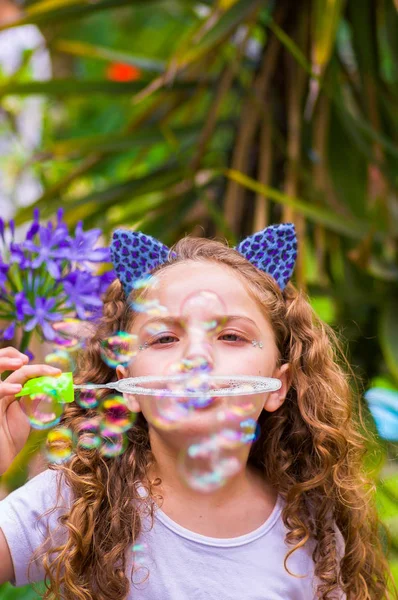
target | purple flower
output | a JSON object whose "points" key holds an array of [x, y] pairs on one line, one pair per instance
{"points": [[82, 246], [81, 289], [53, 244], [105, 280], [21, 303], [41, 313], [17, 255], [35, 226], [3, 273], [8, 333]]}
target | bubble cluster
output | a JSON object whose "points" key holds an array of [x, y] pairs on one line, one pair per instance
{"points": [[220, 428]]}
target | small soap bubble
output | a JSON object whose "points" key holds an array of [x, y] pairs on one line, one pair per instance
{"points": [[243, 405], [152, 308], [119, 349], [205, 467], [146, 283], [140, 551], [238, 434], [155, 328], [142, 303], [89, 437], [196, 364], [88, 398], [42, 410], [116, 416], [60, 359], [71, 335], [60, 445], [166, 412], [113, 444], [205, 311]]}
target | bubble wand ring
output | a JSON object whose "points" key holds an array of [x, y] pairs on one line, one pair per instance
{"points": [[223, 385], [62, 387]]}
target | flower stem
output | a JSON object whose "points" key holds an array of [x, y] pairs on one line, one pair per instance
{"points": [[25, 341]]}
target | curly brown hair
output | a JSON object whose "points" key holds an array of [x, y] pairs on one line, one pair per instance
{"points": [[312, 454]]}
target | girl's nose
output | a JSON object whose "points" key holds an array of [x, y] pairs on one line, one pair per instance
{"points": [[199, 350]]}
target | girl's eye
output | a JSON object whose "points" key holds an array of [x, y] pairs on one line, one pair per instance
{"points": [[238, 338], [165, 339]]}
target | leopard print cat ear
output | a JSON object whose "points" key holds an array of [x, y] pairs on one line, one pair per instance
{"points": [[134, 255], [273, 250]]}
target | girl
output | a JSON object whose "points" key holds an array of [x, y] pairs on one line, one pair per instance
{"points": [[297, 522]]}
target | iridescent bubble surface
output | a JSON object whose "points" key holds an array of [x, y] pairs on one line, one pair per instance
{"points": [[205, 467], [112, 443], [88, 433], [60, 445], [115, 414], [142, 303], [43, 411], [204, 311], [71, 334], [119, 349], [139, 551], [88, 398], [60, 359]]}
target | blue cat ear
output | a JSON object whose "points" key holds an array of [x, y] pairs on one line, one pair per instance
{"points": [[134, 255], [273, 250]]}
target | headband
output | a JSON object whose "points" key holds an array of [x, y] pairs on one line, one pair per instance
{"points": [[272, 250]]}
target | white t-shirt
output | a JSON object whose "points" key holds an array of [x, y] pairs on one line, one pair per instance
{"points": [[182, 565]]}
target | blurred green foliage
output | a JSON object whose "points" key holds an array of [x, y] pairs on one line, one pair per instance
{"points": [[219, 117]]}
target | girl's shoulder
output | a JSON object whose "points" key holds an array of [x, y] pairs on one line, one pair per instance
{"points": [[47, 490], [29, 515]]}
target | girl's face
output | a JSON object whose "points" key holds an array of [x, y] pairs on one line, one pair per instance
{"points": [[229, 352]]}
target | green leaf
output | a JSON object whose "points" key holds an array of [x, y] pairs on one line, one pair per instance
{"points": [[352, 228], [388, 332], [108, 54], [327, 14], [222, 28], [50, 11], [73, 87], [292, 47], [146, 136], [129, 189]]}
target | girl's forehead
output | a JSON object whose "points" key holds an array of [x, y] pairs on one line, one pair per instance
{"points": [[178, 282]]}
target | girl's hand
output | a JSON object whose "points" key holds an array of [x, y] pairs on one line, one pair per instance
{"points": [[14, 425]]}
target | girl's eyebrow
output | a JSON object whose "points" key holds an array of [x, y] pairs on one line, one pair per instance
{"points": [[179, 321]]}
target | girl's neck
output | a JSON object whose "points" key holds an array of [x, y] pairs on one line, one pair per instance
{"points": [[241, 505]]}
